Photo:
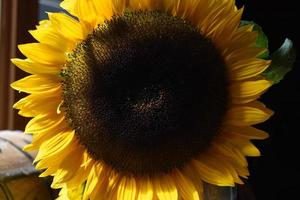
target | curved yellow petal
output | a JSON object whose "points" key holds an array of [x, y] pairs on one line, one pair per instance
{"points": [[39, 97], [43, 54], [145, 189], [63, 194], [165, 188], [247, 132], [66, 26], [227, 26], [91, 182], [47, 133], [247, 91], [225, 149], [238, 144], [192, 174], [244, 145], [52, 38], [221, 21], [38, 123], [31, 67], [97, 178], [69, 5], [127, 189], [185, 187], [99, 189], [38, 107], [211, 160], [58, 143], [106, 9], [211, 175], [68, 167], [248, 114], [68, 193], [242, 38], [146, 4], [243, 53], [249, 68], [83, 172], [36, 83], [87, 14], [51, 161]]}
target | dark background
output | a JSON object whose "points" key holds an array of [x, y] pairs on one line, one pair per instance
{"points": [[276, 175]]}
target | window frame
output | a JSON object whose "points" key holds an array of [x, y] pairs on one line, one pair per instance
{"points": [[17, 17]]}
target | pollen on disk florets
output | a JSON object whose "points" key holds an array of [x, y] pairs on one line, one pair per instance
{"points": [[145, 92]]}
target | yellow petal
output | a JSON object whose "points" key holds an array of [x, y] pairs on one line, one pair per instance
{"points": [[53, 93], [165, 188], [92, 180], [86, 12], [52, 38], [69, 5], [183, 9], [66, 26], [38, 123], [225, 148], [239, 143], [198, 14], [145, 4], [211, 175], [247, 132], [248, 114], [211, 160], [145, 189], [71, 193], [63, 194], [43, 54], [51, 162], [249, 68], [118, 6], [81, 175], [228, 26], [58, 143], [97, 185], [31, 67], [68, 167], [47, 133], [127, 189], [244, 92], [34, 104], [105, 9], [233, 155], [243, 53], [185, 187], [38, 107], [213, 157], [245, 146], [242, 38], [190, 172], [221, 21], [36, 83]]}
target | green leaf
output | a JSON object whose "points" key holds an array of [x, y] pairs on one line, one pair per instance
{"points": [[262, 39], [282, 62]]}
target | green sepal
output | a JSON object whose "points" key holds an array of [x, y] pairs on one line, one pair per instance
{"points": [[262, 39], [282, 62]]}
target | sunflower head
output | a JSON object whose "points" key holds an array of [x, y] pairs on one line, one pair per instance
{"points": [[141, 81], [143, 99]]}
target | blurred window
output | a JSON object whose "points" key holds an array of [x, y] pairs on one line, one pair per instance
{"points": [[48, 6]]}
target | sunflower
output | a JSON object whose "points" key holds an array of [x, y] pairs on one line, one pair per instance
{"points": [[143, 99]]}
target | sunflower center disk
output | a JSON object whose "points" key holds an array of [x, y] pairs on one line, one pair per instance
{"points": [[145, 92]]}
